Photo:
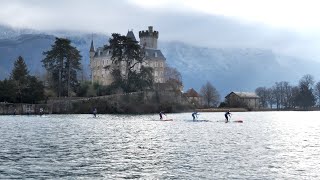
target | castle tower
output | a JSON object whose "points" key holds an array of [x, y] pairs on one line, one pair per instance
{"points": [[91, 64], [149, 38]]}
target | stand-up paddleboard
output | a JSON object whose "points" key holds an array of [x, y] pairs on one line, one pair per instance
{"points": [[238, 121], [200, 120], [163, 120]]}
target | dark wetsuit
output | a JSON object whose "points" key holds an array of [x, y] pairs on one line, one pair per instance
{"points": [[194, 115], [226, 115], [160, 114], [95, 112]]}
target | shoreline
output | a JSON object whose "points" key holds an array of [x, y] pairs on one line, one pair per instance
{"points": [[138, 113]]}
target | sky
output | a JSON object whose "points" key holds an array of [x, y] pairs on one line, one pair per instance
{"points": [[288, 27]]}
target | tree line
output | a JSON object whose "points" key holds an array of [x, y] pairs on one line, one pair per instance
{"points": [[282, 95], [63, 65], [21, 87]]}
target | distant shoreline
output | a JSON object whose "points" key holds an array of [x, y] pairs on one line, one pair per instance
{"points": [[253, 110], [85, 107]]}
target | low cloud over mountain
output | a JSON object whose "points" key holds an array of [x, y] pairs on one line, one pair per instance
{"points": [[228, 69]]}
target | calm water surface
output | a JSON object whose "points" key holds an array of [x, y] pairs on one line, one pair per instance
{"points": [[268, 145]]}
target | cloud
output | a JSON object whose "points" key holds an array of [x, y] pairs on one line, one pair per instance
{"points": [[175, 20]]}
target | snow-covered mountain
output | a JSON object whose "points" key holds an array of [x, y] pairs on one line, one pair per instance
{"points": [[234, 69], [31, 44], [228, 69], [7, 32]]}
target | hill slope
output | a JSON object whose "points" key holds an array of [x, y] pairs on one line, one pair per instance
{"points": [[234, 69], [228, 69]]}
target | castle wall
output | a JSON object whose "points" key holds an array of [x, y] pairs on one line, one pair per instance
{"points": [[98, 71], [149, 42], [99, 59]]}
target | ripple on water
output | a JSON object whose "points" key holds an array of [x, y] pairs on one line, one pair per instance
{"points": [[269, 145]]}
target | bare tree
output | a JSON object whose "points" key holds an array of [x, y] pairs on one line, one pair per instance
{"points": [[171, 73], [210, 95], [276, 91], [173, 77], [286, 94], [282, 92], [270, 98], [307, 81], [262, 92]]}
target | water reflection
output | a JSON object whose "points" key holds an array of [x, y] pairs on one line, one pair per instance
{"points": [[268, 145]]}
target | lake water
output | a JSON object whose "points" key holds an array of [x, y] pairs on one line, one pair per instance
{"points": [[268, 145]]}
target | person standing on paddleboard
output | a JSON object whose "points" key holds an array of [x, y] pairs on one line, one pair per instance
{"points": [[194, 115], [226, 115], [161, 115], [95, 112]]}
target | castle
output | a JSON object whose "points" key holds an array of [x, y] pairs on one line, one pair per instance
{"points": [[100, 58]]}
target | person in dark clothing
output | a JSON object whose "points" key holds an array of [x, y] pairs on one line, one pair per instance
{"points": [[194, 115], [95, 112], [226, 115], [161, 115]]}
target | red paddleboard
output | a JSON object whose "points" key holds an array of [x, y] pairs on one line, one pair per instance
{"points": [[238, 121]]}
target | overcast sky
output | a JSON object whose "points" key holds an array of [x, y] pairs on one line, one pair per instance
{"points": [[289, 27]]}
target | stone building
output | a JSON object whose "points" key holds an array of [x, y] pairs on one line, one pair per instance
{"points": [[193, 96], [101, 58], [243, 99]]}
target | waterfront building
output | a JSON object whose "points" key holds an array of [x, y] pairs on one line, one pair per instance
{"points": [[193, 96], [243, 99]]}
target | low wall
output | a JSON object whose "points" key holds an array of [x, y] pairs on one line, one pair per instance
{"points": [[10, 108], [137, 102]]}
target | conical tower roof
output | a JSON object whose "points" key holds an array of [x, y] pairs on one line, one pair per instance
{"points": [[91, 47], [131, 35]]}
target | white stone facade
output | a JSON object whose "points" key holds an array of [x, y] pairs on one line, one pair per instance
{"points": [[100, 59]]}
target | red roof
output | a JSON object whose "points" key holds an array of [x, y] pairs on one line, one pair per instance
{"points": [[192, 93]]}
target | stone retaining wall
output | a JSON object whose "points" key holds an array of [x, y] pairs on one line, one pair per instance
{"points": [[137, 102]]}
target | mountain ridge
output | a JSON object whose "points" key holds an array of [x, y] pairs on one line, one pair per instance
{"points": [[228, 69]]}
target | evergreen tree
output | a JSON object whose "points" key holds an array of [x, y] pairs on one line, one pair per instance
{"points": [[7, 91], [140, 80], [305, 97], [19, 76], [63, 63], [21, 87], [126, 56], [35, 92]]}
